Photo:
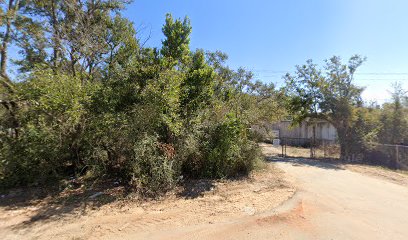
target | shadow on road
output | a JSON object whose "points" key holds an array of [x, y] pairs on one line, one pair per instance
{"points": [[304, 161], [196, 188], [50, 203]]}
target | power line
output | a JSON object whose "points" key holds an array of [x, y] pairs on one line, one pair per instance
{"points": [[381, 73], [381, 79], [273, 72], [357, 79], [277, 76]]}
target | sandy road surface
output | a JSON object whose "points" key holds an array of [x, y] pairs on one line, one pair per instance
{"points": [[201, 203], [331, 202], [340, 204]]}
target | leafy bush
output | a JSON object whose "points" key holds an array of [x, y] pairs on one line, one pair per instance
{"points": [[154, 166], [50, 130], [226, 151]]}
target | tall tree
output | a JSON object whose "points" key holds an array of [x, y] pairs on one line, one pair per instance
{"points": [[198, 85], [394, 118], [176, 44], [51, 16], [330, 96], [8, 21]]}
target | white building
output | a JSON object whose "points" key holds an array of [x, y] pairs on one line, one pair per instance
{"points": [[324, 130]]}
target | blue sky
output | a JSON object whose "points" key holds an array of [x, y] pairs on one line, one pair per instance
{"points": [[271, 37]]}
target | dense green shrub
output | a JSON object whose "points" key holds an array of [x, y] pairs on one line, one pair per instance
{"points": [[230, 152], [144, 116], [50, 130], [225, 151], [154, 166]]}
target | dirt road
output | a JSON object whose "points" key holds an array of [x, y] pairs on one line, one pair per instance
{"points": [[331, 202], [198, 204], [340, 204]]}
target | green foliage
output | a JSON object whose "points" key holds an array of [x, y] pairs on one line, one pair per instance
{"points": [[229, 151], [59, 98], [328, 96], [198, 85], [27, 160], [93, 101], [154, 168], [50, 129], [394, 118], [219, 148], [364, 129], [177, 33]]}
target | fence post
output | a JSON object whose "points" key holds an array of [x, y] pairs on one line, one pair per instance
{"points": [[311, 148], [282, 148], [396, 157]]}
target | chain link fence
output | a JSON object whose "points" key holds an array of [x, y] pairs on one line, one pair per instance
{"points": [[310, 148], [391, 156]]}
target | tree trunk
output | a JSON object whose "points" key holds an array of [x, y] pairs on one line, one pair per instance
{"points": [[11, 106], [344, 143], [6, 39], [55, 37]]}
